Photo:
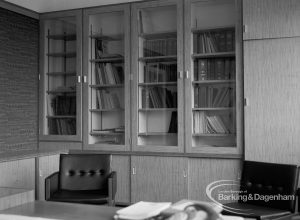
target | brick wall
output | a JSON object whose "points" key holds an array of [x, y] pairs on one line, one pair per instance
{"points": [[18, 81]]}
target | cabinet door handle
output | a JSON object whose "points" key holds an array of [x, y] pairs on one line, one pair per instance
{"points": [[79, 79], [180, 75], [184, 174], [133, 171], [187, 74], [84, 79]]}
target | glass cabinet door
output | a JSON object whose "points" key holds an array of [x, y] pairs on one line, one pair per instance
{"points": [[212, 58], [156, 63], [61, 67], [106, 62]]}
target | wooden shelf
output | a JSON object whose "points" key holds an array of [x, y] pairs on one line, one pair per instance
{"points": [[107, 86], [117, 37], [108, 60], [158, 58], [66, 37], [212, 135], [158, 84], [62, 73], [157, 109], [107, 110], [213, 55], [62, 54], [61, 91], [212, 29], [214, 109], [156, 134], [217, 81], [159, 35], [62, 116], [99, 133]]}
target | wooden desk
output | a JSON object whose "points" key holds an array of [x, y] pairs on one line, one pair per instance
{"points": [[62, 211]]}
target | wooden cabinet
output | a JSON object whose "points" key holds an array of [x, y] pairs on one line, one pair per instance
{"points": [[47, 165], [271, 18], [205, 171], [213, 79], [272, 93], [106, 78], [157, 36], [160, 77], [121, 164], [60, 76], [148, 85], [159, 178]]}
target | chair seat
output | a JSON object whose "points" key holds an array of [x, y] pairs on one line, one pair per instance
{"points": [[80, 196], [253, 211]]}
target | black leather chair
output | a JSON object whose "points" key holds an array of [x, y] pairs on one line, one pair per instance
{"points": [[82, 178], [266, 179]]}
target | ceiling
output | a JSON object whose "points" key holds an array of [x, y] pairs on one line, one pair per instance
{"points": [[41, 6]]}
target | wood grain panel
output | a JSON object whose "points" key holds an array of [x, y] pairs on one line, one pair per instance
{"points": [[47, 166], [18, 174], [11, 197], [161, 179], [272, 88], [44, 145], [205, 171], [271, 18], [121, 164]]}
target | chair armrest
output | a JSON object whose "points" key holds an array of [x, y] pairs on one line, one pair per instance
{"points": [[112, 187], [51, 185]]}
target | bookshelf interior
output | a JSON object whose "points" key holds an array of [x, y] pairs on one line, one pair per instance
{"points": [[213, 65], [106, 78], [60, 78], [157, 76]]}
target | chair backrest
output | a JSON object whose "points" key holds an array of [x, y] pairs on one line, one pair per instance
{"points": [[269, 184], [84, 171]]}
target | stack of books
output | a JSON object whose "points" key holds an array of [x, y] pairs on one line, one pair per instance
{"points": [[157, 97], [108, 73], [107, 99], [160, 72], [214, 69], [209, 96], [212, 124]]}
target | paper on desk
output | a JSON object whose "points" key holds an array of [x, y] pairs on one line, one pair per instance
{"points": [[21, 217], [230, 217], [142, 210]]}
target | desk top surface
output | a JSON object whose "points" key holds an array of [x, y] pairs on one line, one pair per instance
{"points": [[65, 211]]}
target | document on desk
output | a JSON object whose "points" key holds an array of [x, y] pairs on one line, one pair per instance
{"points": [[20, 217], [142, 210]]}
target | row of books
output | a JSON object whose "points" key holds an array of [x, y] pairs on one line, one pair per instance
{"points": [[107, 99], [211, 124], [62, 126], [214, 69], [209, 96], [61, 105], [108, 73], [157, 97], [160, 47], [160, 72], [215, 41]]}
